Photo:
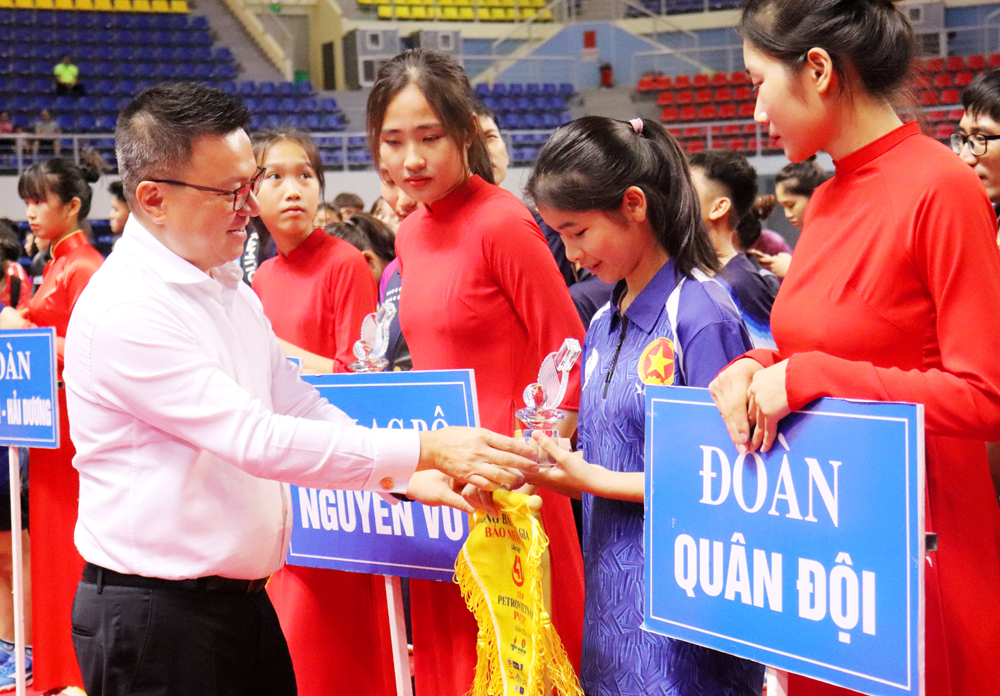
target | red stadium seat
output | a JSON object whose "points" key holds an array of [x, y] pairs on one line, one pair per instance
{"points": [[942, 80], [963, 79], [977, 62], [716, 130], [689, 113], [928, 98], [723, 95], [732, 129], [665, 99], [669, 114], [956, 114], [706, 112], [645, 84], [676, 132], [922, 81], [752, 144], [736, 143], [685, 96], [727, 111], [951, 96], [943, 131], [919, 65], [720, 79], [701, 80], [695, 146], [747, 109], [703, 95], [682, 81], [955, 63], [994, 61], [750, 129], [692, 132], [772, 144], [934, 116], [662, 82], [743, 94], [935, 65], [738, 78]]}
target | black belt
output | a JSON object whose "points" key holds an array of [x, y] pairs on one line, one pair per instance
{"points": [[99, 576]]}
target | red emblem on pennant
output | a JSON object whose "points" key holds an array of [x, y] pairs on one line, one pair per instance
{"points": [[516, 573], [656, 364]]}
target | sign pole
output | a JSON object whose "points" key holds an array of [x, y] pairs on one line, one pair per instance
{"points": [[17, 567], [777, 682], [397, 632]]}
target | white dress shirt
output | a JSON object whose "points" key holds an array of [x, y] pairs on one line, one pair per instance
{"points": [[185, 415]]}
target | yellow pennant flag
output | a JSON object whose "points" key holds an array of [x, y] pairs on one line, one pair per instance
{"points": [[504, 573]]}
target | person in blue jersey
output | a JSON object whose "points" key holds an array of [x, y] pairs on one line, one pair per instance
{"points": [[727, 187], [620, 196]]}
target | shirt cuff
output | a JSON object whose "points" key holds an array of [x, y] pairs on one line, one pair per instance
{"points": [[397, 453]]}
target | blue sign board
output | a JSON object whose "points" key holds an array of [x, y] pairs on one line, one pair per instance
{"points": [[359, 531], [29, 403], [809, 557]]}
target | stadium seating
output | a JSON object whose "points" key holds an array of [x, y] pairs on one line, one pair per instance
{"points": [[688, 100], [460, 10]]}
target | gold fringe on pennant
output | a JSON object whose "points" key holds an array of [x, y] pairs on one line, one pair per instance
{"points": [[547, 665]]}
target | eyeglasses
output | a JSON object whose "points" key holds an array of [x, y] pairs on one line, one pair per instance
{"points": [[241, 194], [977, 142]]}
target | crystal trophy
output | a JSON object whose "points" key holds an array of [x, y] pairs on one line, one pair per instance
{"points": [[374, 342], [542, 397]]}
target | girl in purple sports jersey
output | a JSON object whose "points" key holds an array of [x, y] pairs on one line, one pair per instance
{"points": [[620, 196]]}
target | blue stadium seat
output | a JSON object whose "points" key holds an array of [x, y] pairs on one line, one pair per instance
{"points": [[222, 55], [285, 89], [22, 67], [294, 121], [107, 104], [125, 70], [532, 89], [162, 53], [103, 68], [20, 102], [272, 121], [228, 87], [202, 53], [162, 38], [549, 121], [178, 38], [45, 19], [305, 88], [515, 89], [86, 123], [246, 89], [203, 71], [482, 90], [20, 84], [199, 22], [505, 104], [199, 38], [166, 71], [256, 122], [86, 104], [522, 104], [20, 121], [63, 104], [333, 122], [499, 89], [6, 17], [176, 21], [185, 71], [289, 105], [43, 102], [106, 124], [266, 89], [269, 105], [224, 71], [67, 124], [564, 118], [142, 85], [566, 89], [103, 87], [556, 104], [41, 84], [313, 122], [143, 21], [122, 102], [44, 67], [308, 105], [532, 121], [539, 104], [328, 104], [252, 104]]}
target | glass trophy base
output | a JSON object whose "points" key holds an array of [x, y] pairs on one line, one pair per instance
{"points": [[525, 435], [376, 365]]}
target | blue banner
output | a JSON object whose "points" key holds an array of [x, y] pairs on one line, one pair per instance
{"points": [[357, 530], [29, 404], [808, 558]]}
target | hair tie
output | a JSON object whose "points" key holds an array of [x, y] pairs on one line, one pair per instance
{"points": [[636, 125]]}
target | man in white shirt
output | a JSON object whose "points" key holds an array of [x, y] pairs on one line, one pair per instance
{"points": [[186, 416]]}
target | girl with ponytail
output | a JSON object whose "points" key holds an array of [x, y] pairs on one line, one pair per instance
{"points": [[896, 261], [620, 197]]}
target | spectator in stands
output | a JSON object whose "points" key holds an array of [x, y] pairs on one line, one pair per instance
{"points": [[727, 186], [372, 237], [118, 215], [481, 292], [57, 196], [46, 125], [892, 296], [17, 287], [325, 214], [769, 242], [66, 75], [348, 204], [979, 129], [494, 141]]}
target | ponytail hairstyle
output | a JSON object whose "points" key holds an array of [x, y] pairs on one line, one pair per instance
{"points": [[63, 178], [801, 178], [589, 163], [870, 37], [752, 225], [446, 88]]}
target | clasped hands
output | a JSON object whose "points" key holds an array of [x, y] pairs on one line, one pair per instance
{"points": [[752, 400]]}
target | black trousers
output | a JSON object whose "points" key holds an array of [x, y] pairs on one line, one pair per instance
{"points": [[179, 642]]}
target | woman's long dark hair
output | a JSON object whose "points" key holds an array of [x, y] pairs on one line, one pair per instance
{"points": [[589, 163], [446, 88], [63, 178], [870, 36]]}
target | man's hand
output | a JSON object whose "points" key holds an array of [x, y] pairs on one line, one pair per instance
{"points": [[476, 456], [434, 488]]}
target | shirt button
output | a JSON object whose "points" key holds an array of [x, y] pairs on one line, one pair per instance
{"points": [[388, 483]]}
